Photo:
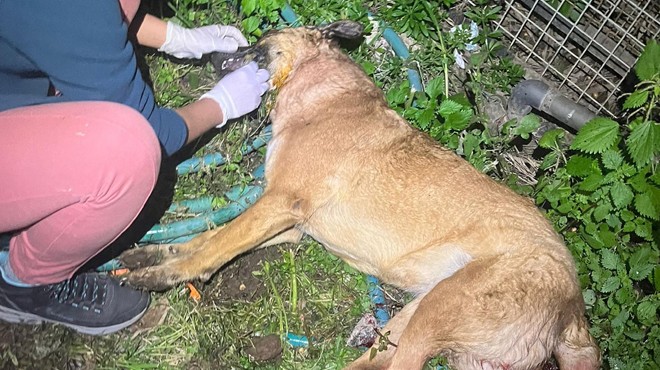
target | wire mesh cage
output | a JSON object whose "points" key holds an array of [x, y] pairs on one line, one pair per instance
{"points": [[584, 48]]}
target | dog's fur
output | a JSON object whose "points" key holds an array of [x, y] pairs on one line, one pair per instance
{"points": [[495, 286]]}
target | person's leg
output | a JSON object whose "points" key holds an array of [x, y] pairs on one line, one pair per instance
{"points": [[74, 176]]}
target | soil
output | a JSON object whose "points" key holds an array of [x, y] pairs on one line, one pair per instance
{"points": [[236, 280]]}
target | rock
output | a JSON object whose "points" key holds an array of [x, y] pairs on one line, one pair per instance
{"points": [[264, 349]]}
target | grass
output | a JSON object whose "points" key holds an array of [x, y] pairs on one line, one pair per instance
{"points": [[293, 289]]}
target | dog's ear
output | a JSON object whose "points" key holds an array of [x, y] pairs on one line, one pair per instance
{"points": [[348, 30]]}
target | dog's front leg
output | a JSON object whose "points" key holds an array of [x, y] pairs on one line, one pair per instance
{"points": [[272, 214]]}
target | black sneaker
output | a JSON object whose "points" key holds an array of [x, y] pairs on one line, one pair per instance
{"points": [[89, 303]]}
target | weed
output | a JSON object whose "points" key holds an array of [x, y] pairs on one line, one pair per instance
{"points": [[606, 202]]}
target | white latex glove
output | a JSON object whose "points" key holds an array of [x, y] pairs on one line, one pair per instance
{"points": [[239, 92], [183, 42]]}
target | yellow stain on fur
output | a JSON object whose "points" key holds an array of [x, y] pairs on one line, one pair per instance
{"points": [[280, 77]]}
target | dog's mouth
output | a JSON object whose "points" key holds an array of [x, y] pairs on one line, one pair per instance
{"points": [[224, 63]]}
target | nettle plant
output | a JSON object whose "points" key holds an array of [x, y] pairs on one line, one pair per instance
{"points": [[459, 54], [258, 15], [605, 201]]}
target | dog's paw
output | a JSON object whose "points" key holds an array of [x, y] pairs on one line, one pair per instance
{"points": [[152, 278], [149, 255]]}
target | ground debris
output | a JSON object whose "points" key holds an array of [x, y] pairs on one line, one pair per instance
{"points": [[262, 349]]}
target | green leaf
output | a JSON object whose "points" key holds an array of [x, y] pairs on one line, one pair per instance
{"points": [[459, 120], [248, 6], [636, 99], [589, 297], [581, 166], [644, 205], [449, 107], [614, 221], [250, 24], [638, 181], [646, 312], [425, 117], [642, 141], [592, 241], [398, 94], [602, 211], [611, 284], [612, 159], [643, 228], [641, 263], [607, 237], [636, 335], [622, 196], [596, 136], [592, 182], [627, 215], [647, 65], [550, 138], [527, 125], [549, 160], [461, 99], [368, 66], [609, 259], [655, 178], [620, 319], [435, 87], [626, 294]]}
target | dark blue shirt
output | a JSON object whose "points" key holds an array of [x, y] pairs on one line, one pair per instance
{"points": [[81, 49]]}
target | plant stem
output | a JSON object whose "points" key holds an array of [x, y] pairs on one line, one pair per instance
{"points": [[284, 324], [443, 48], [294, 282], [651, 105]]}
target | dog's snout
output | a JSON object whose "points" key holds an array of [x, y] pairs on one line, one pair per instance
{"points": [[226, 62]]}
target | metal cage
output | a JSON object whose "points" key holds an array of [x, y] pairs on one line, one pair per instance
{"points": [[584, 48]]}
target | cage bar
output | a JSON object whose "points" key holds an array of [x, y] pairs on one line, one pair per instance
{"points": [[585, 48]]}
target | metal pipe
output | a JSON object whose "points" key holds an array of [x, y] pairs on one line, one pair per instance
{"points": [[536, 94]]}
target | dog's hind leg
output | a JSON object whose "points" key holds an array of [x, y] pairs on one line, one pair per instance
{"points": [[391, 333], [272, 215], [576, 349], [502, 312]]}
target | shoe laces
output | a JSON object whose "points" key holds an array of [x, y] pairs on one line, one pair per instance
{"points": [[83, 291]]}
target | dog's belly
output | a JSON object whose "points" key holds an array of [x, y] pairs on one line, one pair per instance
{"points": [[417, 269]]}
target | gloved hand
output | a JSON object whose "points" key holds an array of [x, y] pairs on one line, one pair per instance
{"points": [[183, 42], [239, 92]]}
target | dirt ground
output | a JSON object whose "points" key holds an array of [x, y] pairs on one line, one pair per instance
{"points": [[49, 346]]}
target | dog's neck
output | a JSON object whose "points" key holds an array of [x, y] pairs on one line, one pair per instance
{"points": [[322, 80]]}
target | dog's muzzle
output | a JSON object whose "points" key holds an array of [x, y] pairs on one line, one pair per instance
{"points": [[224, 63]]}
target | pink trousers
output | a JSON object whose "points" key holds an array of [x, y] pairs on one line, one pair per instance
{"points": [[73, 176]]}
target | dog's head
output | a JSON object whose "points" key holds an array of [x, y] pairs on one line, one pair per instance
{"points": [[279, 51]]}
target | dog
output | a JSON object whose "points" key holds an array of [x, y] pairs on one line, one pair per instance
{"points": [[495, 287]]}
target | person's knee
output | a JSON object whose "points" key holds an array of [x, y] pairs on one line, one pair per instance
{"points": [[127, 137], [116, 150], [130, 128]]}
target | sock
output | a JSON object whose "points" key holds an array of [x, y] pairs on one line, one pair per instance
{"points": [[8, 273]]}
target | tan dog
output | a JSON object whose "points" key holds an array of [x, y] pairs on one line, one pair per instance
{"points": [[495, 286]]}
